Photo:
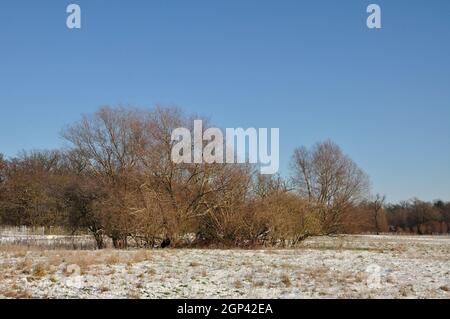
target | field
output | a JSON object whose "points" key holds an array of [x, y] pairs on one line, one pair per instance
{"points": [[324, 267]]}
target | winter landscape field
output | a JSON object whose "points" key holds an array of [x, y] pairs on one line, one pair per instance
{"points": [[364, 266]]}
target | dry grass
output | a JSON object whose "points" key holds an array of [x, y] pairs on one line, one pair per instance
{"points": [[238, 284], [194, 264], [25, 266], [104, 289], [406, 291], [134, 294], [150, 272], [16, 292], [140, 256], [317, 272], [19, 249], [39, 263], [286, 280], [40, 270]]}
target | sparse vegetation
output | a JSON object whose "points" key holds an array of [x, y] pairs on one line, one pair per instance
{"points": [[420, 271], [238, 284], [285, 280]]}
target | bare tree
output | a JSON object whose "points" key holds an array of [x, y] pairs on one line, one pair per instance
{"points": [[376, 207], [3, 165], [3, 170], [105, 145], [267, 185], [107, 140], [422, 215], [330, 180]]}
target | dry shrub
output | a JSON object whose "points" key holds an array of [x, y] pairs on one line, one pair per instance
{"points": [[280, 218]]}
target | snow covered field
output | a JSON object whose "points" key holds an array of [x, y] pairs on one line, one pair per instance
{"points": [[325, 267]]}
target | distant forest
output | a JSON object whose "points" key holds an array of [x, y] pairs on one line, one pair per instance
{"points": [[115, 179]]}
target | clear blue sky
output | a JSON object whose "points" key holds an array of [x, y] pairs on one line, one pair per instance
{"points": [[311, 68]]}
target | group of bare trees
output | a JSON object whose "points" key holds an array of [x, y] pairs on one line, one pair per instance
{"points": [[116, 179], [27, 187], [408, 217], [419, 217]]}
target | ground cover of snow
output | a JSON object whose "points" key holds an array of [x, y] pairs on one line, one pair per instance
{"points": [[368, 266]]}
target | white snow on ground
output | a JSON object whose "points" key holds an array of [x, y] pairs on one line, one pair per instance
{"points": [[324, 267]]}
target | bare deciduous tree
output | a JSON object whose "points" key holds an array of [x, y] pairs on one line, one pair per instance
{"points": [[105, 146], [376, 207], [330, 180]]}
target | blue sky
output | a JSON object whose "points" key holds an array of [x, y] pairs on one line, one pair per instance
{"points": [[311, 68]]}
